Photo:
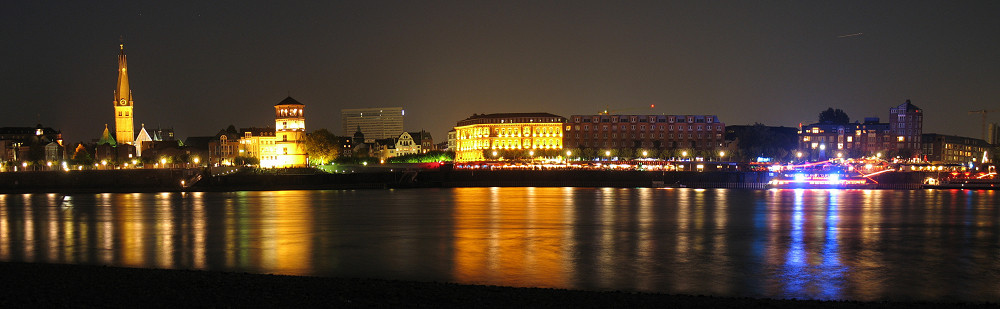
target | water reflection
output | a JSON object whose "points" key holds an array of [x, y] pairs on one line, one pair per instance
{"points": [[823, 244]]}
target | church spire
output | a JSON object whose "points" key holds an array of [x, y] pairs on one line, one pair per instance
{"points": [[123, 101], [122, 91]]}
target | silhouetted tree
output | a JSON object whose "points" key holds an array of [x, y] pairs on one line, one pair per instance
{"points": [[831, 115]]}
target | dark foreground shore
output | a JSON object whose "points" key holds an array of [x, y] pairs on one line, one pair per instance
{"points": [[26, 285]]}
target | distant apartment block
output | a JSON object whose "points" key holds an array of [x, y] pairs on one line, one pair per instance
{"points": [[901, 136], [831, 140], [948, 149], [907, 121], [375, 123], [696, 132]]}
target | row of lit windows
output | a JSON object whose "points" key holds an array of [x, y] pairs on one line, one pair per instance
{"points": [[508, 120], [651, 128], [295, 125], [481, 132], [547, 143], [290, 112], [643, 135], [650, 119], [692, 144]]}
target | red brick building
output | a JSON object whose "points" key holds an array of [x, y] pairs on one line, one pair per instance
{"points": [[695, 132]]}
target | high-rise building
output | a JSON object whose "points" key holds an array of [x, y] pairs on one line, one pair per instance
{"points": [[123, 102], [375, 123], [290, 134], [907, 122]]}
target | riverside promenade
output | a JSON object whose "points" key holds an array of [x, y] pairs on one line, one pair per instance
{"points": [[173, 180]]}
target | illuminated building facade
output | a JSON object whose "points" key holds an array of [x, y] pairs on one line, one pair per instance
{"points": [[375, 123], [907, 121], [290, 134], [452, 137], [123, 102], [899, 137], [948, 149], [696, 132], [507, 131], [831, 140], [259, 143]]}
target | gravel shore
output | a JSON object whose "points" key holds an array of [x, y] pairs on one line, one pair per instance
{"points": [[52, 285]]}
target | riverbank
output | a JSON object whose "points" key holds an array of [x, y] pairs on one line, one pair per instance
{"points": [[175, 180], [57, 285]]}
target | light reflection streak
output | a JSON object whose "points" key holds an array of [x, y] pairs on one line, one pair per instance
{"points": [[199, 229], [106, 233], [509, 236], [165, 230], [795, 261], [53, 229], [5, 236], [607, 202], [646, 247], [29, 228], [723, 265], [683, 256]]}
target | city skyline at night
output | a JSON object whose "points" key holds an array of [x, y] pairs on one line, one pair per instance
{"points": [[201, 67]]}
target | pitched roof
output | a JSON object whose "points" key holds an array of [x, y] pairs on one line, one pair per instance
{"points": [[143, 136], [289, 101], [420, 137], [106, 138], [908, 106]]}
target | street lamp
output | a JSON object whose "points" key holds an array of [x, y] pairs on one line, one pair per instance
{"points": [[645, 153], [722, 154]]}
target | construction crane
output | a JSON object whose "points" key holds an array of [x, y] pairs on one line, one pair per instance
{"points": [[608, 111], [983, 112]]}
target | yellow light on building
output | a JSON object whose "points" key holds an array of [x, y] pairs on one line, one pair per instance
{"points": [[506, 131]]}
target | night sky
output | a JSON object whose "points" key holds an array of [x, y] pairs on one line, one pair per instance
{"points": [[201, 67]]}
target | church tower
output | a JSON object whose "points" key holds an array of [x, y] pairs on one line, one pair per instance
{"points": [[123, 102]]}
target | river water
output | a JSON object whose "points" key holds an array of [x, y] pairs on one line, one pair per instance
{"points": [[941, 245]]}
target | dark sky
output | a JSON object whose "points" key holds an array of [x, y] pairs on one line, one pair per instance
{"points": [[200, 67]]}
